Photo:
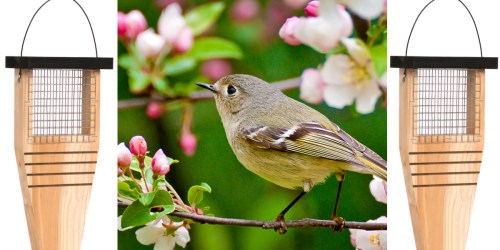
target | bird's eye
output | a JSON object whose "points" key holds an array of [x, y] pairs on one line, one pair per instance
{"points": [[231, 90]]}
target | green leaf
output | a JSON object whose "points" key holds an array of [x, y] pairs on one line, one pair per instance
{"points": [[138, 214], [379, 57], [160, 84], [146, 198], [125, 190], [171, 161], [127, 62], [138, 81], [203, 16], [214, 47], [195, 193], [159, 182], [179, 65]]}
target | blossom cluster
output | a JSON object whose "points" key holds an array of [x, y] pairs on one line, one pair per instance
{"points": [[179, 47], [350, 72], [150, 198]]}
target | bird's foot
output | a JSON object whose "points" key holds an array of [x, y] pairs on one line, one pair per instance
{"points": [[283, 228], [340, 224]]}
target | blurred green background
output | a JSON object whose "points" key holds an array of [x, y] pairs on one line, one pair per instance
{"points": [[236, 192]]}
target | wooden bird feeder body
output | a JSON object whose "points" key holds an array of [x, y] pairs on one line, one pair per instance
{"points": [[56, 142], [441, 138]]}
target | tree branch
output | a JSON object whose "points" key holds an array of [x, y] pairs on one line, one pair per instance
{"points": [[275, 224], [197, 95]]}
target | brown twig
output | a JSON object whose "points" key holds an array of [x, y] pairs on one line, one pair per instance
{"points": [[275, 224], [197, 95]]}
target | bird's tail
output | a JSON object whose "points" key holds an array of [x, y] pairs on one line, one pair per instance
{"points": [[376, 168]]}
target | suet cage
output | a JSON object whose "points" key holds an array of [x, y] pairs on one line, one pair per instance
{"points": [[441, 136], [56, 141]]}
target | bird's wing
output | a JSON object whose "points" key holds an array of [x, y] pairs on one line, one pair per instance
{"points": [[311, 138]]}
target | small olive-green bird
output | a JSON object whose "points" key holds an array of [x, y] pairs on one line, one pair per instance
{"points": [[285, 141]]}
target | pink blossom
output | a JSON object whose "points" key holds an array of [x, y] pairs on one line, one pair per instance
{"points": [[325, 31], [188, 143], [159, 163], [244, 10], [136, 23], [120, 172], [350, 78], [287, 31], [154, 110], [171, 23], [122, 24], [378, 188], [184, 40], [138, 146], [216, 68], [311, 9], [370, 240], [149, 44], [311, 87], [124, 156], [366, 9]]}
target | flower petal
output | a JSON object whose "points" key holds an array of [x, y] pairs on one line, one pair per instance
{"points": [[339, 96], [182, 237], [378, 188], [311, 87], [358, 50], [335, 68], [367, 9], [318, 33], [165, 243], [367, 97], [149, 234], [171, 22]]}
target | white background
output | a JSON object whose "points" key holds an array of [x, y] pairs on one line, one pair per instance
{"points": [[445, 29], [59, 29]]}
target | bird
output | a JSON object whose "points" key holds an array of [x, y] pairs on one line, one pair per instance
{"points": [[285, 141]]}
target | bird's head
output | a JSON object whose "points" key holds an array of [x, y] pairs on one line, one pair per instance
{"points": [[235, 93]]}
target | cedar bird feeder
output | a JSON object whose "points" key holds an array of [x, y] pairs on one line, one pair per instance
{"points": [[56, 141], [441, 136]]}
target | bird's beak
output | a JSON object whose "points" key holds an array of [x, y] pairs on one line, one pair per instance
{"points": [[210, 87]]}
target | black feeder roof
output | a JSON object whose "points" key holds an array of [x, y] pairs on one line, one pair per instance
{"points": [[415, 62], [33, 62]]}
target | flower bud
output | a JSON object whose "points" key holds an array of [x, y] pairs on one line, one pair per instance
{"points": [[138, 146], [311, 9], [244, 10], [124, 156], [120, 171], [159, 163], [311, 87], [136, 23], [184, 40], [171, 23], [188, 143], [154, 110], [122, 24], [216, 68], [287, 31], [149, 44]]}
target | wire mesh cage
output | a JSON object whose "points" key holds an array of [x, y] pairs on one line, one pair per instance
{"points": [[441, 134], [61, 106], [446, 105], [56, 141]]}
